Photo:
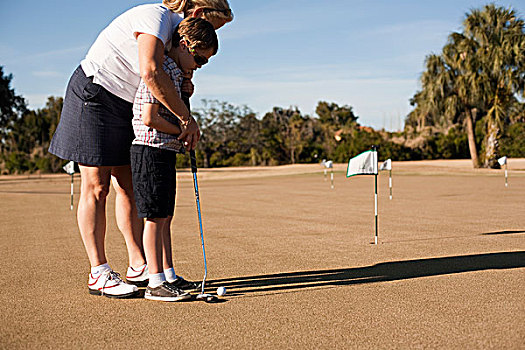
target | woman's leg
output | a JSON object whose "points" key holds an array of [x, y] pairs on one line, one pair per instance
{"points": [[91, 213], [128, 221]]}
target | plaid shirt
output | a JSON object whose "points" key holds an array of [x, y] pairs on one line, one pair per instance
{"points": [[148, 136]]}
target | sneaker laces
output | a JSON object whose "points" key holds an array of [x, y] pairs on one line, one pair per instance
{"points": [[181, 281], [115, 276], [172, 288], [111, 276]]}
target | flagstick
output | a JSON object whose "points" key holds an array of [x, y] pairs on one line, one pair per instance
{"points": [[375, 197], [390, 182], [71, 206], [506, 183], [332, 178]]}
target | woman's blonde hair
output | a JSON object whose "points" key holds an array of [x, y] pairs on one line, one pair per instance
{"points": [[213, 9]]}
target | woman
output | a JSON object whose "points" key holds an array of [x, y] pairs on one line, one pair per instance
{"points": [[95, 127]]}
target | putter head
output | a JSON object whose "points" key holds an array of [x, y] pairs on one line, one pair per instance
{"points": [[207, 298]]}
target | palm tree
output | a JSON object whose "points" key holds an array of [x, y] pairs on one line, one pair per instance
{"points": [[479, 73], [466, 85], [447, 97], [496, 40]]}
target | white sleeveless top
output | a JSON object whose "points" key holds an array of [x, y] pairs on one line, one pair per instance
{"points": [[113, 59]]}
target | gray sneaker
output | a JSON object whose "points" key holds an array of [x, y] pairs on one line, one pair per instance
{"points": [[186, 286], [166, 292]]}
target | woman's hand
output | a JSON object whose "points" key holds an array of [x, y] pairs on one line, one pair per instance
{"points": [[190, 134]]}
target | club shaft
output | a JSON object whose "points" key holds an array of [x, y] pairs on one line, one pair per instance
{"points": [[193, 161], [197, 199]]}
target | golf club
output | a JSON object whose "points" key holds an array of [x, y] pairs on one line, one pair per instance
{"points": [[202, 296]]}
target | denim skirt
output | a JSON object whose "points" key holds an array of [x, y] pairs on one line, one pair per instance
{"points": [[95, 125]]}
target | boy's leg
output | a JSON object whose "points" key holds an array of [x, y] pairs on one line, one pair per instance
{"points": [[158, 288], [153, 235], [167, 255], [128, 221], [152, 181], [169, 271]]}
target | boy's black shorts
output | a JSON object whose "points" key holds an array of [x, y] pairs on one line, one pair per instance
{"points": [[154, 181]]}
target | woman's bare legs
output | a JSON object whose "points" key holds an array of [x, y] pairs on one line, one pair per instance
{"points": [[91, 217], [128, 221], [91, 213]]}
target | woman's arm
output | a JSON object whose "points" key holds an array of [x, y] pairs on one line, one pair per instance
{"points": [[151, 56], [151, 118]]}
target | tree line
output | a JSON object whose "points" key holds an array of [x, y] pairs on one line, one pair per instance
{"points": [[471, 105]]}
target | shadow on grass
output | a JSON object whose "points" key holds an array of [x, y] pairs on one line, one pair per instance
{"points": [[35, 192], [382, 272], [507, 232]]}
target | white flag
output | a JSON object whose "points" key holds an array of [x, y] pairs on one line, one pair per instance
{"points": [[363, 164], [69, 168], [502, 160], [387, 165]]}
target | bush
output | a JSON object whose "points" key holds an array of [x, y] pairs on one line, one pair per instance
{"points": [[452, 145], [43, 164], [17, 163], [512, 142]]}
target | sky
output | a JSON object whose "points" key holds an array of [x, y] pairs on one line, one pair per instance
{"points": [[367, 54]]}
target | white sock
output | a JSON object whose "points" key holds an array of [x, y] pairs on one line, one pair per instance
{"points": [[136, 269], [97, 270], [156, 279], [170, 274]]}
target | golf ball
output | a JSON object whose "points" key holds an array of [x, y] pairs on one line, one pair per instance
{"points": [[221, 291]]}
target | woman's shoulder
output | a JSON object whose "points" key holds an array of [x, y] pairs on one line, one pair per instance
{"points": [[154, 19], [151, 10]]}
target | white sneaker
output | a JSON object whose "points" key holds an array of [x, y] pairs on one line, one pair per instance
{"points": [[109, 284], [138, 277]]}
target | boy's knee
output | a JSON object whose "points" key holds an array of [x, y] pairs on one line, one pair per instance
{"points": [[157, 221]]}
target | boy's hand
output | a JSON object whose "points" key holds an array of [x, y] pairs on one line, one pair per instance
{"points": [[190, 134], [187, 87]]}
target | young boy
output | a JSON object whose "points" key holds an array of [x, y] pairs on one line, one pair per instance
{"points": [[153, 159]]}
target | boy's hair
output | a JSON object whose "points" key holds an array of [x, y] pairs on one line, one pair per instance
{"points": [[198, 32], [213, 9]]}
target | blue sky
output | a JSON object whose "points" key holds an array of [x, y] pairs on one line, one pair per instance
{"points": [[368, 54]]}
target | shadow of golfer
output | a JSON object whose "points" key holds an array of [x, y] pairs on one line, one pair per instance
{"points": [[506, 232], [389, 271], [34, 192]]}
